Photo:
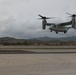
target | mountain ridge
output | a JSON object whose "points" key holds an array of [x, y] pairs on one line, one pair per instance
{"points": [[45, 38], [73, 38]]}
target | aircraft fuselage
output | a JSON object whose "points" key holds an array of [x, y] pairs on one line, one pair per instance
{"points": [[59, 29]]}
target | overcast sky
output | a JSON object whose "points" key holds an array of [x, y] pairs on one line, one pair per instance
{"points": [[19, 18]]}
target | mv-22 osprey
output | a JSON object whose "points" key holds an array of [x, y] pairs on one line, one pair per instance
{"points": [[61, 27]]}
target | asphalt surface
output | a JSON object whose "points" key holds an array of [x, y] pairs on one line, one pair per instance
{"points": [[61, 63], [39, 51]]}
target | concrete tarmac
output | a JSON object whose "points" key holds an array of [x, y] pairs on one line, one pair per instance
{"points": [[38, 64]]}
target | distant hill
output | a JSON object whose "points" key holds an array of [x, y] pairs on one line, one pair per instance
{"points": [[42, 39], [11, 40], [73, 38], [15, 40]]}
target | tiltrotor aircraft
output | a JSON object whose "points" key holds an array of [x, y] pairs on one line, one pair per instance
{"points": [[61, 27]]}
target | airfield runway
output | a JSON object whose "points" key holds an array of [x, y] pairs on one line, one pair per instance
{"points": [[60, 63]]}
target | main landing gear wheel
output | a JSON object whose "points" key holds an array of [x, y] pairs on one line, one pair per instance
{"points": [[56, 32], [65, 31], [50, 30]]}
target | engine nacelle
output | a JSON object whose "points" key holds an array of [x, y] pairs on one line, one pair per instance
{"points": [[74, 26], [44, 23], [73, 23]]}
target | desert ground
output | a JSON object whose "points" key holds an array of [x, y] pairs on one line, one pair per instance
{"points": [[39, 62]]}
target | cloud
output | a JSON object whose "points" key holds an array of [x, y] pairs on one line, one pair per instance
{"points": [[19, 18]]}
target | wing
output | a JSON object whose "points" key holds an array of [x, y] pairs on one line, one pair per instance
{"points": [[61, 24], [65, 23], [50, 24]]}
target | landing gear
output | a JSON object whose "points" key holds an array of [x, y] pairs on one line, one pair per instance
{"points": [[56, 32], [50, 30], [65, 31]]}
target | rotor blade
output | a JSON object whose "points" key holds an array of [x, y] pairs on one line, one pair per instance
{"points": [[40, 16], [74, 15], [68, 13], [44, 17], [50, 17]]}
